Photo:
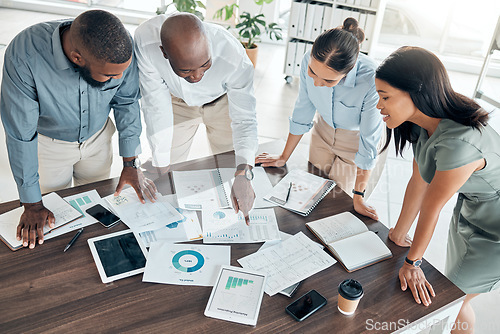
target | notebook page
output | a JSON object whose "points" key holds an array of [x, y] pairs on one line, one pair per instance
{"points": [[337, 227], [360, 250]]}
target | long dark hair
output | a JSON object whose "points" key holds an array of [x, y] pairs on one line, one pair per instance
{"points": [[421, 74], [338, 48]]}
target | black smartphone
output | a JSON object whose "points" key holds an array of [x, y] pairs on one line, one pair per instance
{"points": [[306, 305], [103, 215]]}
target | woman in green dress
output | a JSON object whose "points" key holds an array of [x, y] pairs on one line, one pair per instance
{"points": [[455, 150]]}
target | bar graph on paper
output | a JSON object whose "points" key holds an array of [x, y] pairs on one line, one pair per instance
{"points": [[80, 202], [233, 282]]}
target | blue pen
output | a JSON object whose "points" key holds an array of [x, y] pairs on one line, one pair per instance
{"points": [[73, 240]]}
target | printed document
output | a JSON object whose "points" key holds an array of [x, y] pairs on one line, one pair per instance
{"points": [[226, 226], [289, 262], [142, 217], [182, 264], [186, 229]]}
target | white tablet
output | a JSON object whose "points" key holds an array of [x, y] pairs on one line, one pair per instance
{"points": [[236, 295], [118, 255]]}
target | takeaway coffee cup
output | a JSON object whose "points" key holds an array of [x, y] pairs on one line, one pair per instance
{"points": [[350, 292]]}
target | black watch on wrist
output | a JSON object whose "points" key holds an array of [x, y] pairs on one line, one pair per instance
{"points": [[415, 263], [135, 163], [360, 193]]}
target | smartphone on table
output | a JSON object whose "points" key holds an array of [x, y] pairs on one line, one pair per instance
{"points": [[306, 305], [103, 215]]}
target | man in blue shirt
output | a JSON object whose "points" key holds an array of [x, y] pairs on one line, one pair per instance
{"points": [[60, 81]]}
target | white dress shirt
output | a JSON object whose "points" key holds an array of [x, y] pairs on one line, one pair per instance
{"points": [[231, 72]]}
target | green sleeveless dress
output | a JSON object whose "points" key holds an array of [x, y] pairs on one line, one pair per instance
{"points": [[473, 254]]}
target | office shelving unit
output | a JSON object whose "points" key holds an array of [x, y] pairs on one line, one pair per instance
{"points": [[494, 47], [308, 19]]}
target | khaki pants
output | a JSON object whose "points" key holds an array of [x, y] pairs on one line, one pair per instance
{"points": [[214, 115], [60, 161], [333, 152]]}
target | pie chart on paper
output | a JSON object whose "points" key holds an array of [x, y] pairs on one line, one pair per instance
{"points": [[188, 261], [219, 215]]}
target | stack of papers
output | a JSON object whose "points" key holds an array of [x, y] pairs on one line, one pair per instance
{"points": [[63, 213]]}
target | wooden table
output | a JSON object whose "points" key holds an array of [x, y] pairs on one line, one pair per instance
{"points": [[46, 290]]}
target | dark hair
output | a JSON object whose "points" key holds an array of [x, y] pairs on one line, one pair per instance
{"points": [[103, 35], [421, 74], [339, 48]]}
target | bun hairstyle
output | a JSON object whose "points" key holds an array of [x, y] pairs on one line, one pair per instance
{"points": [[422, 75], [352, 25], [339, 48]]}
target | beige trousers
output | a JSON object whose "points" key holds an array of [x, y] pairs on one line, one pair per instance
{"points": [[214, 115], [333, 152], [61, 162]]}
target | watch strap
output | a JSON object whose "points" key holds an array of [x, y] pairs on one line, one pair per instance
{"points": [[360, 193], [415, 263], [131, 163]]}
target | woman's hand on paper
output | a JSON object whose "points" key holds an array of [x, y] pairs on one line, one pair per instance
{"points": [[402, 240], [270, 160], [141, 184], [243, 196], [32, 222], [364, 209], [414, 278]]}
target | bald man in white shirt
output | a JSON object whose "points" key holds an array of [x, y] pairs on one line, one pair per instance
{"points": [[193, 72]]}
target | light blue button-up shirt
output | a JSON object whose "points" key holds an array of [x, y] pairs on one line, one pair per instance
{"points": [[350, 105], [42, 92]]}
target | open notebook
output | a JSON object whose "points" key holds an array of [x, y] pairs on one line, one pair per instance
{"points": [[350, 241], [212, 188], [62, 210], [307, 190]]}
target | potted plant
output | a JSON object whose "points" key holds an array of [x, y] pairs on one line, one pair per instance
{"points": [[187, 6], [251, 27]]}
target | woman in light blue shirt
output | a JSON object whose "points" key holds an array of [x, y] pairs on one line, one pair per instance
{"points": [[339, 83]]}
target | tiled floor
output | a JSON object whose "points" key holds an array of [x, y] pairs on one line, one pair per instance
{"points": [[275, 100]]}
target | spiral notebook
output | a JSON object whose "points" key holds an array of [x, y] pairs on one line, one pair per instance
{"points": [[197, 189], [300, 191]]}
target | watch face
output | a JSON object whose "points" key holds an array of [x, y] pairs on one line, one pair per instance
{"points": [[249, 174], [417, 263]]}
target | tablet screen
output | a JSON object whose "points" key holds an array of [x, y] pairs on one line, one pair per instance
{"points": [[118, 255]]}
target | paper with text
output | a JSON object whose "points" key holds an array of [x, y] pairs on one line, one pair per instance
{"points": [[289, 262], [226, 226], [142, 217]]}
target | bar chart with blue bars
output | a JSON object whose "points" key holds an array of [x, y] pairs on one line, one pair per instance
{"points": [[78, 202], [233, 282]]}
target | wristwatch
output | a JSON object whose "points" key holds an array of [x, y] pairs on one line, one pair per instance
{"points": [[136, 163], [247, 172], [415, 263], [360, 193]]}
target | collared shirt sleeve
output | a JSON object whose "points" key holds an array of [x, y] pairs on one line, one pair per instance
{"points": [[156, 104], [242, 111], [370, 131], [304, 110], [19, 109], [125, 104]]}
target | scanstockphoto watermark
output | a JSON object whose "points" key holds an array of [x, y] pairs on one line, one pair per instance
{"points": [[373, 325]]}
